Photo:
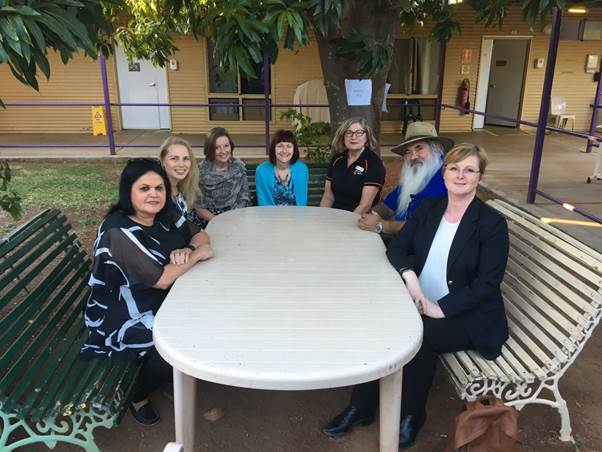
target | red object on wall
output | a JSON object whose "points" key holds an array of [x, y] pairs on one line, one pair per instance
{"points": [[463, 99]]}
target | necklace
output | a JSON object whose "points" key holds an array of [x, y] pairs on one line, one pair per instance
{"points": [[283, 176]]}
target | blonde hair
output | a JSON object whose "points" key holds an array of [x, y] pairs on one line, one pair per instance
{"points": [[338, 142], [188, 186], [464, 150]]}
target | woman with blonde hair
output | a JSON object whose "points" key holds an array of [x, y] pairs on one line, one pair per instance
{"points": [[451, 254], [356, 174], [180, 166]]}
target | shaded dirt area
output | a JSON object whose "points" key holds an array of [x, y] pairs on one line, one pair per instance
{"points": [[273, 421], [266, 421]]}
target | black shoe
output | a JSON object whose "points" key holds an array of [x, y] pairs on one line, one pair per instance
{"points": [[145, 415], [344, 421], [408, 429]]}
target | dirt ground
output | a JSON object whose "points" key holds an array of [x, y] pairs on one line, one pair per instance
{"points": [[272, 421]]}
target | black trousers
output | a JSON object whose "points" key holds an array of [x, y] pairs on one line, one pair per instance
{"points": [[440, 336], [154, 372]]}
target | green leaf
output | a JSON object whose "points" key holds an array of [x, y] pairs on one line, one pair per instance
{"points": [[35, 31], [8, 28], [24, 10], [3, 55], [42, 62]]}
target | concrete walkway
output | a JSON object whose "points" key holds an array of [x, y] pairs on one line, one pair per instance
{"points": [[564, 169]]}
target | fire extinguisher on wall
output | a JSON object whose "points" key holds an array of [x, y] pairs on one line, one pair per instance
{"points": [[464, 95]]}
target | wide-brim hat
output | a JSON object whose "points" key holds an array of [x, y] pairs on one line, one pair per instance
{"points": [[422, 131]]}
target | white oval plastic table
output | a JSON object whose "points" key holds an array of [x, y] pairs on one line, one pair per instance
{"points": [[296, 298]]}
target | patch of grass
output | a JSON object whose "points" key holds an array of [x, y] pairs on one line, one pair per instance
{"points": [[83, 190]]}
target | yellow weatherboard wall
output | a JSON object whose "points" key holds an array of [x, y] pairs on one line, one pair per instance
{"points": [[77, 81], [80, 81]]}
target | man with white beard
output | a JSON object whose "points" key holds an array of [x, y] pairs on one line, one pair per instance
{"points": [[420, 178]]}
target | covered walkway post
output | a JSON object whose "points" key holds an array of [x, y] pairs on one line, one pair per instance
{"points": [[544, 106], [266, 100], [596, 106], [439, 100], [107, 100]]}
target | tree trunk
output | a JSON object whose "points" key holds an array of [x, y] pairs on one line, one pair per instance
{"points": [[360, 18]]}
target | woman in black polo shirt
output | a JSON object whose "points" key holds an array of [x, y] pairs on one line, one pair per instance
{"points": [[356, 174]]}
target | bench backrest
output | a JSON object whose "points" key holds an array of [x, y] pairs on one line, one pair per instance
{"points": [[552, 292], [43, 290], [317, 177]]}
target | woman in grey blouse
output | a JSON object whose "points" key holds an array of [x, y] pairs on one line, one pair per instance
{"points": [[222, 179]]}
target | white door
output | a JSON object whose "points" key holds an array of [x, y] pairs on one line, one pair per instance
{"points": [[506, 80], [141, 82]]}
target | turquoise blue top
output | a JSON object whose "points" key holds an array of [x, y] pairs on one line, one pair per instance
{"points": [[265, 179]]}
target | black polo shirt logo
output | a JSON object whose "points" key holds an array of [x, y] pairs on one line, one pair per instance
{"points": [[358, 171]]}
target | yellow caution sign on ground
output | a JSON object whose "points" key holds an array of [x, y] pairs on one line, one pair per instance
{"points": [[99, 121]]}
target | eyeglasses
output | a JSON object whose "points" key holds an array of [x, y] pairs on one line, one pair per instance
{"points": [[357, 133], [467, 172]]}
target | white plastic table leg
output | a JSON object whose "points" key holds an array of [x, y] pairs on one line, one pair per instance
{"points": [[184, 391], [390, 408]]}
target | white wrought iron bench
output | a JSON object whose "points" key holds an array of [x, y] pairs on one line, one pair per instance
{"points": [[553, 297]]}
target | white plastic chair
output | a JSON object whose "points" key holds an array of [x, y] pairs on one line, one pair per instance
{"points": [[558, 109]]}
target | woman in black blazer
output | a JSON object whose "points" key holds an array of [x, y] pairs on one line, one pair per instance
{"points": [[451, 254]]}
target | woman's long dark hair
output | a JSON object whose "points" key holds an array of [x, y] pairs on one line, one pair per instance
{"points": [[134, 170]]}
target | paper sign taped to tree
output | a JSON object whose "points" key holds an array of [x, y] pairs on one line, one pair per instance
{"points": [[359, 92]]}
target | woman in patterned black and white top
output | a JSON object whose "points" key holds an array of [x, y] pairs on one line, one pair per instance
{"points": [[142, 247], [180, 166]]}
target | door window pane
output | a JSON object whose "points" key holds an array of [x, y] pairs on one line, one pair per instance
{"points": [[223, 113], [426, 66], [401, 67]]}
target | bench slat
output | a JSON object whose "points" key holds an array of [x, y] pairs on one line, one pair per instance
{"points": [[31, 248], [77, 372], [24, 232], [515, 307], [554, 248], [500, 368], [534, 350], [40, 349], [23, 281], [517, 214], [563, 278], [542, 277], [21, 322], [517, 349], [520, 369], [530, 300]]}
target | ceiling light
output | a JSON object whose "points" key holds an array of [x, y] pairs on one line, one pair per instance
{"points": [[577, 10]]}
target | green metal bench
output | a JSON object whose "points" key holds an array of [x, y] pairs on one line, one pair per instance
{"points": [[47, 394], [317, 176]]}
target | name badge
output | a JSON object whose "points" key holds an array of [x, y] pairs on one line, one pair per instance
{"points": [[358, 170]]}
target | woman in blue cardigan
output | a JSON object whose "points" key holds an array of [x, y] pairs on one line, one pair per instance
{"points": [[282, 180]]}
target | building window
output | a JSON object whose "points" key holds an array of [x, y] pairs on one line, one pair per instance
{"points": [[414, 75], [226, 87]]}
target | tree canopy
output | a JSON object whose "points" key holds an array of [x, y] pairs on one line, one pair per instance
{"points": [[355, 37]]}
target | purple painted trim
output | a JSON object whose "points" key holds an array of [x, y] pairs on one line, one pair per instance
{"points": [[544, 107], [596, 106], [439, 100], [35, 146], [266, 98], [107, 99], [575, 209], [126, 145], [142, 104], [54, 104], [520, 121]]}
